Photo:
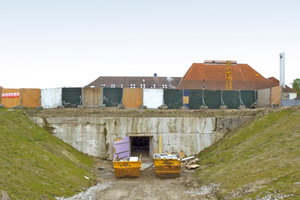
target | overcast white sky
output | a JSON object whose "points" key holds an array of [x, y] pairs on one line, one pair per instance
{"points": [[48, 44]]}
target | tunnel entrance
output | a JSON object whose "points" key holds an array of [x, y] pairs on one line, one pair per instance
{"points": [[141, 145]]}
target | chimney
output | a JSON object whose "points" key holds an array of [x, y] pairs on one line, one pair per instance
{"points": [[155, 75], [282, 69]]}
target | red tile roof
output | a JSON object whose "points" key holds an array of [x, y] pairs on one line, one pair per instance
{"points": [[243, 77], [276, 81]]}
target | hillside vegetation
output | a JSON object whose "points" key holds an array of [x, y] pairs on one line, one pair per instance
{"points": [[36, 165], [260, 159]]}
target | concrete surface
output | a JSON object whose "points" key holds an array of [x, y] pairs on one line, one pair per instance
{"points": [[95, 135]]}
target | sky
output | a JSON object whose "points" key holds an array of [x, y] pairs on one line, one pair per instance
{"points": [[49, 44]]}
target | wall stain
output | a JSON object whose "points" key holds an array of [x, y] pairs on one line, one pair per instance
{"points": [[47, 126]]}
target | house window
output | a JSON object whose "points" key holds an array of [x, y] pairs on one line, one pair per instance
{"points": [[152, 85], [143, 85], [164, 86], [121, 85], [102, 85], [112, 85], [132, 85]]}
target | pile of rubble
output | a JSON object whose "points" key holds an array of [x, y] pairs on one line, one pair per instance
{"points": [[167, 156], [190, 162]]}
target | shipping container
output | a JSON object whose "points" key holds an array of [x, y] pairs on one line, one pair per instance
{"points": [[10, 97], [133, 97], [153, 98], [92, 97], [30, 98], [51, 97]]}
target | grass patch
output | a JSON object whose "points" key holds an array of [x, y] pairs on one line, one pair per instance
{"points": [[258, 159], [34, 164]]}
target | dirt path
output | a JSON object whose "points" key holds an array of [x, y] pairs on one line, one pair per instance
{"points": [[147, 186]]}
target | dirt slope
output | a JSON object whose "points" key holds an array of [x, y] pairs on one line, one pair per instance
{"points": [[36, 165], [260, 159]]}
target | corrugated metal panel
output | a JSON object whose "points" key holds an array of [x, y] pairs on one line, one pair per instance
{"points": [[153, 98], [286, 102], [264, 97], [92, 97], [30, 98], [10, 97], [276, 95], [132, 97], [51, 97], [71, 96], [112, 97]]}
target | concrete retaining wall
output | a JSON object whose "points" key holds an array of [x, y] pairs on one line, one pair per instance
{"points": [[95, 135]]}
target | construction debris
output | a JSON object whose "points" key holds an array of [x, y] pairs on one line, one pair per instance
{"points": [[188, 158], [173, 155], [195, 161], [193, 166]]}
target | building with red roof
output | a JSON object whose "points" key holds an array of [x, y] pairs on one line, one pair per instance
{"points": [[211, 75]]}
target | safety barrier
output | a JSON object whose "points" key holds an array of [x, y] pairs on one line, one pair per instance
{"points": [[136, 97]]}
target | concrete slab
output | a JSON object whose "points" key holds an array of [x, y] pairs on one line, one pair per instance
{"points": [[145, 166]]}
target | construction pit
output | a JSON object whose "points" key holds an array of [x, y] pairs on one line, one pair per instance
{"points": [[93, 132]]}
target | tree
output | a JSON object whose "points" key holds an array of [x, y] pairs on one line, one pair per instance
{"points": [[296, 85]]}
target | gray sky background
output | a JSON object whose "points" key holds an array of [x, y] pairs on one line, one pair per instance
{"points": [[48, 44]]}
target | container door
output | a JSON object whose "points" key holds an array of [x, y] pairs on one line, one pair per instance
{"points": [[121, 148]]}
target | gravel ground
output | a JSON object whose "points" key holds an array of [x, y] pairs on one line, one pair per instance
{"points": [[204, 190], [90, 194]]}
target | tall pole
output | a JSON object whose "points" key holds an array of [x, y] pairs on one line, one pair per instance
{"points": [[257, 75]]}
